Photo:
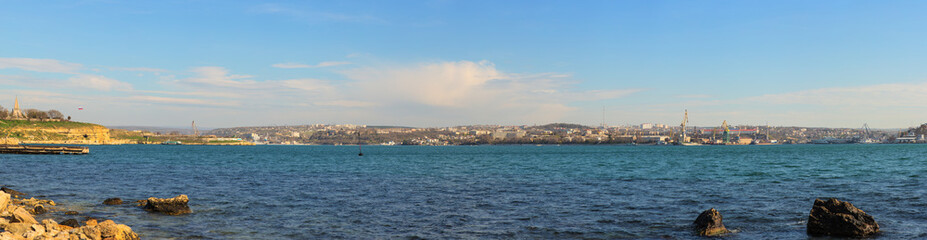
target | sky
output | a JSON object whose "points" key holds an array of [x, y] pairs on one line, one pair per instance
{"points": [[448, 63]]}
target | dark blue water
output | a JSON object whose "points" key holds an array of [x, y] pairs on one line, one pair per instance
{"points": [[487, 192]]}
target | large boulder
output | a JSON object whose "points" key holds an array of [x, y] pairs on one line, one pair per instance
{"points": [[111, 230], [709, 223], [112, 201], [837, 218], [4, 201], [20, 215], [170, 206]]}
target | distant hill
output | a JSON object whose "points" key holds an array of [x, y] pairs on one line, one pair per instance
{"points": [[164, 130], [563, 125], [384, 127]]}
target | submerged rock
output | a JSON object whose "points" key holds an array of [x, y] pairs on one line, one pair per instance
{"points": [[71, 213], [837, 218], [709, 223], [170, 206], [112, 201], [12, 192]]}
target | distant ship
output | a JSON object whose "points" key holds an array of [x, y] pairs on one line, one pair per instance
{"points": [[169, 142]]}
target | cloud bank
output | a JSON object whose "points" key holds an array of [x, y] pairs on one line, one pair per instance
{"points": [[422, 94]]}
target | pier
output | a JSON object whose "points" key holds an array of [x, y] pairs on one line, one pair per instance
{"points": [[32, 149]]}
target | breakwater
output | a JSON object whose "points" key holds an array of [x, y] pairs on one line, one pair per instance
{"points": [[38, 149]]}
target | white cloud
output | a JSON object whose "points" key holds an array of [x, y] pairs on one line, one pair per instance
{"points": [[219, 77], [300, 65], [346, 103], [140, 69], [316, 16], [185, 101], [475, 91], [98, 82], [40, 65], [435, 84]]}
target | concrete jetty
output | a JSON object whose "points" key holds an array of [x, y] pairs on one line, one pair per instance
{"points": [[35, 149]]}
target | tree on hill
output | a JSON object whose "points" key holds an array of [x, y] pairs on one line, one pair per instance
{"points": [[4, 113], [35, 113], [55, 114]]}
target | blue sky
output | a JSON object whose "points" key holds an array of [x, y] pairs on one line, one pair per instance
{"points": [[446, 63]]}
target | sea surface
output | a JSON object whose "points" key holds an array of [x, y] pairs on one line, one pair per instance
{"points": [[481, 192]]}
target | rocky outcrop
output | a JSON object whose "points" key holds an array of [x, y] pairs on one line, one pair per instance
{"points": [[58, 132], [17, 223], [837, 218], [112, 201], [170, 206], [12, 192], [709, 223]]}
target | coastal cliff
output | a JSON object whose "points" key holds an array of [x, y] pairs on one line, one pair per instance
{"points": [[53, 132]]}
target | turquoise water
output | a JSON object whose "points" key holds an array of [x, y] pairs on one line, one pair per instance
{"points": [[487, 192]]}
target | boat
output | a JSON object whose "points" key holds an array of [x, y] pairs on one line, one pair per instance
{"points": [[169, 142]]}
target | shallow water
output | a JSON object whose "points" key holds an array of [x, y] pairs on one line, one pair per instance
{"points": [[492, 192]]}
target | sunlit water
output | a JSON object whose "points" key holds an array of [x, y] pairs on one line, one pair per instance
{"points": [[488, 192]]}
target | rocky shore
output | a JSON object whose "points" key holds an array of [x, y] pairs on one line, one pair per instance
{"points": [[25, 219]]}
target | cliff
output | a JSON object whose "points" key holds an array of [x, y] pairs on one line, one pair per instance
{"points": [[38, 132]]}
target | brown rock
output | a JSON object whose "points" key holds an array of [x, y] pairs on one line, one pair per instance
{"points": [[7, 235], [71, 213], [12, 192], [111, 230], [50, 225], [36, 230], [73, 223], [39, 209], [170, 206], [65, 228], [21, 216], [4, 201], [141, 203], [112, 201], [709, 223], [91, 222], [18, 229], [91, 232], [836, 218]]}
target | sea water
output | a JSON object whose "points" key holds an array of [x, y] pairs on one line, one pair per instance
{"points": [[484, 192]]}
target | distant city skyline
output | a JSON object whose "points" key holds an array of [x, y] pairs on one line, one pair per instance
{"points": [[449, 63]]}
